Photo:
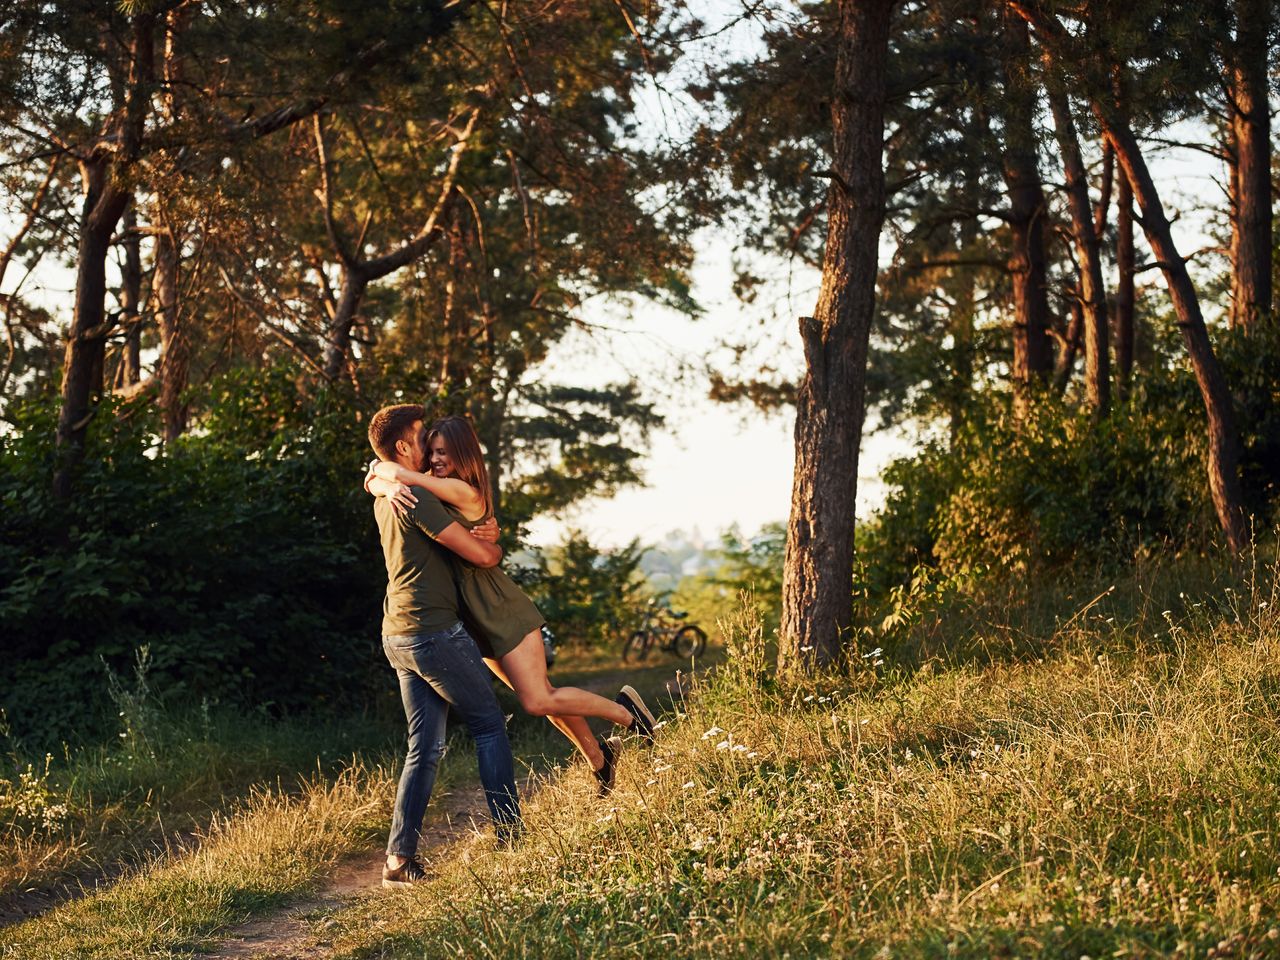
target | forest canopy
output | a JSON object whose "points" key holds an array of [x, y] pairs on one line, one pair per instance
{"points": [[280, 217]]}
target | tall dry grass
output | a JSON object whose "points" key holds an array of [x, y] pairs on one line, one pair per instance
{"points": [[1110, 790]]}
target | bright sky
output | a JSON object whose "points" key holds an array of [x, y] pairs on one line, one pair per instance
{"points": [[713, 465]]}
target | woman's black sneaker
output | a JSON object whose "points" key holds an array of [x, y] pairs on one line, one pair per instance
{"points": [[405, 875], [607, 775], [642, 723]]}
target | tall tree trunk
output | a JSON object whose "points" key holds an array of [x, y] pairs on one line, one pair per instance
{"points": [[104, 204], [338, 344], [175, 341], [1088, 255], [1031, 358], [175, 347], [129, 370], [496, 440], [1224, 444], [1124, 288], [1104, 192], [453, 363], [487, 402], [103, 174], [1066, 362], [1250, 116], [817, 586], [963, 320]]}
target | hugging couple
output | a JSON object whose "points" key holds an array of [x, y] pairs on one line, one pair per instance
{"points": [[449, 613]]}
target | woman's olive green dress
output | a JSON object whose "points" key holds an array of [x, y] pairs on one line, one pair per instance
{"points": [[495, 610]]}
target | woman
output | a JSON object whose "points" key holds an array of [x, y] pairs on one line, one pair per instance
{"points": [[507, 625]]}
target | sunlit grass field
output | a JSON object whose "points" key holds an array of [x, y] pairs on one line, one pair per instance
{"points": [[1091, 770]]}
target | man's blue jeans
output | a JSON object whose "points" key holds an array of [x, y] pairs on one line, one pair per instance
{"points": [[436, 671]]}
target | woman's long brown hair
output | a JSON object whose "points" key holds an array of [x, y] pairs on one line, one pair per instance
{"points": [[463, 446]]}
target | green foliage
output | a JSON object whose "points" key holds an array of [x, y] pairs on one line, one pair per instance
{"points": [[249, 573], [587, 594], [561, 444], [1053, 487], [754, 565]]}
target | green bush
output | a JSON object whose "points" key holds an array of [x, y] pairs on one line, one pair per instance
{"points": [[1056, 487], [588, 595], [244, 558]]}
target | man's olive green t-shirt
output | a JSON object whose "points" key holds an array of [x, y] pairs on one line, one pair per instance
{"points": [[421, 594]]}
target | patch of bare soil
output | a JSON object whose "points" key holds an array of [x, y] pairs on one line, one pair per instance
{"points": [[299, 932]]}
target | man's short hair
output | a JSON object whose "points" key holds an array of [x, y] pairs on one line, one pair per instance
{"points": [[391, 424]]}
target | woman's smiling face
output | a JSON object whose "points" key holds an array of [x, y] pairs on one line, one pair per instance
{"points": [[438, 457]]}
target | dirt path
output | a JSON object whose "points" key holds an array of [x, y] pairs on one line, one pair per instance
{"points": [[299, 931]]}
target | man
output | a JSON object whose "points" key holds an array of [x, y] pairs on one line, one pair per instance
{"points": [[437, 662]]}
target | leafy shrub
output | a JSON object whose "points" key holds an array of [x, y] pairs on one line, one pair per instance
{"points": [[587, 594], [1015, 495], [244, 559]]}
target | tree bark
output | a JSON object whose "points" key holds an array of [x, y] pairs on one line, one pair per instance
{"points": [[1224, 444], [1031, 357], [1124, 289], [129, 370], [338, 345], [1250, 128], [1088, 256], [453, 363], [175, 346], [104, 204], [357, 272], [105, 198], [817, 588], [175, 341], [1104, 191], [963, 324], [1066, 362]]}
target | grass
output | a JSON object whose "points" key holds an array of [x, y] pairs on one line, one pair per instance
{"points": [[274, 848], [266, 810], [96, 810], [1085, 772], [1112, 793]]}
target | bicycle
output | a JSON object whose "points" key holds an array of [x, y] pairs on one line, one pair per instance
{"points": [[684, 640]]}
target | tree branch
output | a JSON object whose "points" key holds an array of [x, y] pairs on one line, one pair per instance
{"points": [[326, 195], [430, 230]]}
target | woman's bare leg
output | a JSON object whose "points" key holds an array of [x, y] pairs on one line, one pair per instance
{"points": [[526, 666], [575, 728]]}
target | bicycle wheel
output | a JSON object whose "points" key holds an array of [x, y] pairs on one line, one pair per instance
{"points": [[636, 647], [690, 641]]}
